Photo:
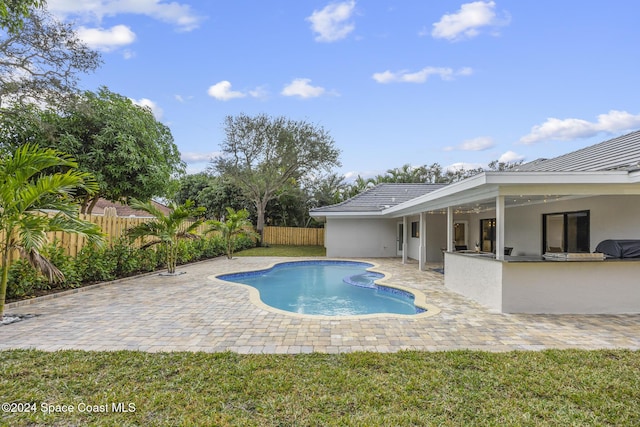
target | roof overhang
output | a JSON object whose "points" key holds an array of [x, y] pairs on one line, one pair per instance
{"points": [[488, 185], [519, 188]]}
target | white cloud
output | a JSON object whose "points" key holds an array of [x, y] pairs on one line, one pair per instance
{"points": [[420, 76], [182, 99], [195, 157], [260, 92], [568, 129], [173, 13], [222, 91], [107, 39], [128, 54], [303, 89], [476, 144], [332, 22], [455, 167], [155, 109], [510, 157], [467, 21]]}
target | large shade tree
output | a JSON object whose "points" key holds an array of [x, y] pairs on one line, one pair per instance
{"points": [[37, 189], [262, 154], [131, 154], [40, 57], [212, 192], [14, 12]]}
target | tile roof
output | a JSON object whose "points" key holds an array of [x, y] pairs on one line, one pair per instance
{"points": [[380, 197], [621, 153]]}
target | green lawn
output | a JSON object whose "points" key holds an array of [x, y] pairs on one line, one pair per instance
{"points": [[284, 250], [563, 387]]}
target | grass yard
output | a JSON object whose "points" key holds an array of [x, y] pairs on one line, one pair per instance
{"points": [[284, 250], [556, 387]]}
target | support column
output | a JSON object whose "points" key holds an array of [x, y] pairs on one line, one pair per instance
{"points": [[450, 246], [405, 246], [500, 227], [422, 250]]}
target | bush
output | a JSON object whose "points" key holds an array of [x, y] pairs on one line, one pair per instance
{"points": [[24, 280], [95, 264]]}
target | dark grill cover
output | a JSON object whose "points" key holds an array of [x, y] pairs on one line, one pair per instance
{"points": [[619, 248]]}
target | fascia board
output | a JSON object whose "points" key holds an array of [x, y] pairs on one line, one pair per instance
{"points": [[451, 189], [595, 177], [490, 184], [365, 214]]}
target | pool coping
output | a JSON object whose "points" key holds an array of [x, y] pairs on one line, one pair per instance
{"points": [[420, 299]]}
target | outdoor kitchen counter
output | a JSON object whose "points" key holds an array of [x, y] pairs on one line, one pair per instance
{"points": [[531, 284], [535, 258]]}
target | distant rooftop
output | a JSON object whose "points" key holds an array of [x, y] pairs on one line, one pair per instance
{"points": [[380, 197], [103, 206], [621, 153]]}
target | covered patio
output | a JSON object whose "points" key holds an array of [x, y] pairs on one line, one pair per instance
{"points": [[500, 225]]}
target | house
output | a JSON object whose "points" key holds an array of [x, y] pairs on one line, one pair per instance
{"points": [[108, 208], [493, 230]]}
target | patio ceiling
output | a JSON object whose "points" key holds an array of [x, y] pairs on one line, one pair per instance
{"points": [[489, 204], [478, 193]]}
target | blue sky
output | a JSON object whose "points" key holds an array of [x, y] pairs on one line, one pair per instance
{"points": [[394, 82]]}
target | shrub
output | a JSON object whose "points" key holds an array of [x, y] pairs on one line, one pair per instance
{"points": [[23, 281], [65, 263], [97, 264]]}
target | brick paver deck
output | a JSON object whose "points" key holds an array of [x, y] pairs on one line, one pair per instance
{"points": [[192, 312]]}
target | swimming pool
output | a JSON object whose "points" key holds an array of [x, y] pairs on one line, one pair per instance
{"points": [[331, 288]]}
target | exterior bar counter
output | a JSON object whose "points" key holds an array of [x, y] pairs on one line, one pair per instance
{"points": [[531, 284]]}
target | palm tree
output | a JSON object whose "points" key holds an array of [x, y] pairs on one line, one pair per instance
{"points": [[236, 224], [167, 229], [37, 188]]}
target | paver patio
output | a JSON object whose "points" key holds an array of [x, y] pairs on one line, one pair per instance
{"points": [[191, 312]]}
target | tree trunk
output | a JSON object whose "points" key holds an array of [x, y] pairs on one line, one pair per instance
{"points": [[93, 203], [171, 258], [5, 270], [5, 279], [261, 206]]}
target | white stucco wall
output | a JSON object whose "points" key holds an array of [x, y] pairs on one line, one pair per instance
{"points": [[360, 237], [474, 277], [436, 237], [546, 287], [611, 217], [605, 287]]}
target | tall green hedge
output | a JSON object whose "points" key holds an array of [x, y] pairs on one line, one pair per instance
{"points": [[95, 264]]}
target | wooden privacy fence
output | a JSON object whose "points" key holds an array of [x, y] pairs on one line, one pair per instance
{"points": [[113, 227], [294, 236]]}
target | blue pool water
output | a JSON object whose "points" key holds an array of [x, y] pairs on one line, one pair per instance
{"points": [[333, 288]]}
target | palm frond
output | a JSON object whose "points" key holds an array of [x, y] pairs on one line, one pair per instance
{"points": [[32, 232], [43, 265], [29, 160], [73, 224]]}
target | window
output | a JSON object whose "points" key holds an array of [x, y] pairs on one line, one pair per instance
{"points": [[415, 229], [488, 235], [565, 232]]}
